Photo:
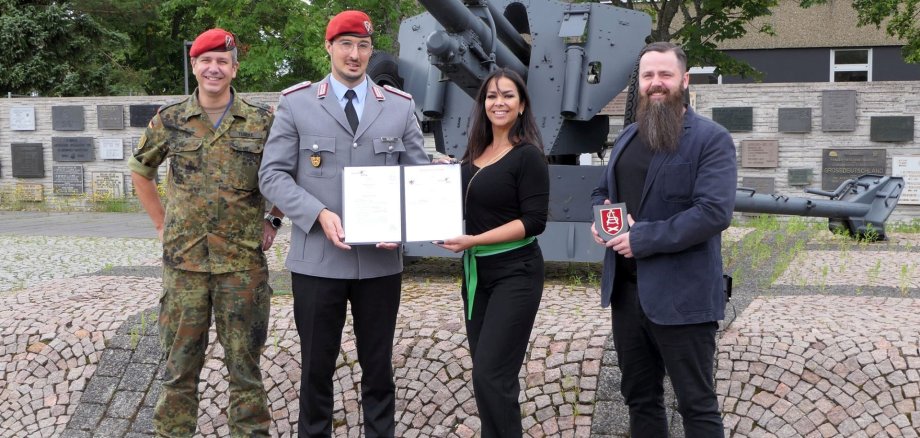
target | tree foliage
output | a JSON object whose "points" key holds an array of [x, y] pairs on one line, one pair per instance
{"points": [[700, 25], [46, 46], [900, 17], [99, 47]]}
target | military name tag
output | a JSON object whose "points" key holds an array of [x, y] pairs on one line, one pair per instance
{"points": [[244, 134], [610, 220], [316, 160]]}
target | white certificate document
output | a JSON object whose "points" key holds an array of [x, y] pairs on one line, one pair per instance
{"points": [[433, 202], [372, 204], [401, 203]]}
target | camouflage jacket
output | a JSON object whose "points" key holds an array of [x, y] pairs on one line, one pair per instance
{"points": [[213, 204]]}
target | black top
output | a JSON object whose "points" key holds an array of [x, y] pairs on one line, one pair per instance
{"points": [[630, 171], [514, 187]]}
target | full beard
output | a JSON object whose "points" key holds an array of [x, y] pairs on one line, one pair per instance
{"points": [[660, 123]]}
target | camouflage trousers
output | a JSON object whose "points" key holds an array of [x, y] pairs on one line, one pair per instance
{"points": [[240, 303]]}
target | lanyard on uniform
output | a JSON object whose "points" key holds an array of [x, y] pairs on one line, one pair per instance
{"points": [[229, 104], [469, 265]]}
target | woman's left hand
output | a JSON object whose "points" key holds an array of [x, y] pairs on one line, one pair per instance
{"points": [[457, 244]]}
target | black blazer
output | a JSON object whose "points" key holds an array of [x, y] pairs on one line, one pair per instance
{"points": [[687, 200]]}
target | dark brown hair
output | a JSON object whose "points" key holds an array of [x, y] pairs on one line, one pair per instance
{"points": [[524, 130], [665, 47]]}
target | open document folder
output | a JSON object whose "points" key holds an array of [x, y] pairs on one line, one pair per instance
{"points": [[401, 203]]}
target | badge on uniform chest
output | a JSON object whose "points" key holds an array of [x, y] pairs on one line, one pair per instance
{"points": [[316, 159]]}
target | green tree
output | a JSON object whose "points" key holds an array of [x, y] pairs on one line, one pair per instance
{"points": [[385, 14], [901, 19], [270, 34], [700, 25], [49, 48], [281, 41]]}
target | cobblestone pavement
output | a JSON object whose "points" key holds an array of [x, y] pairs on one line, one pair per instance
{"points": [[53, 335], [818, 364], [27, 260], [822, 366], [49, 357]]}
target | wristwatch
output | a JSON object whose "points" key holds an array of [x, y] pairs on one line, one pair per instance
{"points": [[274, 221]]}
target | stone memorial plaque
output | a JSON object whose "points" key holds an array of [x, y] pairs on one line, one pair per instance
{"points": [[129, 186], [22, 118], [28, 160], [735, 119], [908, 167], [794, 120], [110, 116], [759, 153], [72, 149], [140, 115], [838, 110], [67, 180], [799, 177], [67, 118], [761, 184], [30, 192], [111, 149], [108, 184], [839, 165], [891, 128]]}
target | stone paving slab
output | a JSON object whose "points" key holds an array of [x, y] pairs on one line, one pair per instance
{"points": [[26, 260], [110, 225], [898, 269], [822, 366]]}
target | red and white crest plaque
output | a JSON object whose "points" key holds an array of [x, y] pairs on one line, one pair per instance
{"points": [[610, 220]]}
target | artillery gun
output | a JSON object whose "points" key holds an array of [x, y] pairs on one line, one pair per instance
{"points": [[575, 58]]}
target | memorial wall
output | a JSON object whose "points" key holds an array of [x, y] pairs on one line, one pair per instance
{"points": [[788, 137], [817, 135], [75, 147]]}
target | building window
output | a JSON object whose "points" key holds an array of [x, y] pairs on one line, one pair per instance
{"points": [[704, 75], [851, 65]]}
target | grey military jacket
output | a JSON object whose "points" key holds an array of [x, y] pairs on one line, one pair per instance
{"points": [[301, 172]]}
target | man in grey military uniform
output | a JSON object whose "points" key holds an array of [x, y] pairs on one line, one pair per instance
{"points": [[344, 120]]}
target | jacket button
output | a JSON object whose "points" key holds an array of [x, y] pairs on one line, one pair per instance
{"points": [[354, 145], [315, 147], [390, 148]]}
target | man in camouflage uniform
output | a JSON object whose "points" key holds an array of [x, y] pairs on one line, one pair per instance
{"points": [[213, 237]]}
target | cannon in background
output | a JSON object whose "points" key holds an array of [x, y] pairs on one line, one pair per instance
{"points": [[575, 58], [858, 207]]}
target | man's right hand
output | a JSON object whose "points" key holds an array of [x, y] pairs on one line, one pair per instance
{"points": [[332, 227]]}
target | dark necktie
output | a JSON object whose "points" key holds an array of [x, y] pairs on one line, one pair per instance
{"points": [[350, 112]]}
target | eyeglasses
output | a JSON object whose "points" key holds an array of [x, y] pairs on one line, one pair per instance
{"points": [[347, 46]]}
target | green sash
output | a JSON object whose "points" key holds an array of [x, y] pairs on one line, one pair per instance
{"points": [[469, 265]]}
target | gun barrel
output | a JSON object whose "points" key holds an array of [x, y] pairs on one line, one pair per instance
{"points": [[457, 18], [509, 35], [748, 202]]}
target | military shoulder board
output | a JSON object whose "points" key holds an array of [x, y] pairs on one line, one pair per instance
{"points": [[397, 92], [295, 87], [378, 93]]}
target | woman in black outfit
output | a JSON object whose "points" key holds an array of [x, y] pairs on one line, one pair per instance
{"points": [[506, 197]]}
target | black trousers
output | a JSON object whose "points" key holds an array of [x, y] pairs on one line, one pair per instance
{"points": [[646, 351], [507, 298], [319, 313]]}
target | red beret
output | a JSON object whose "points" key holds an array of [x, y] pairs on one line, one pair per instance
{"points": [[212, 40], [349, 22]]}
